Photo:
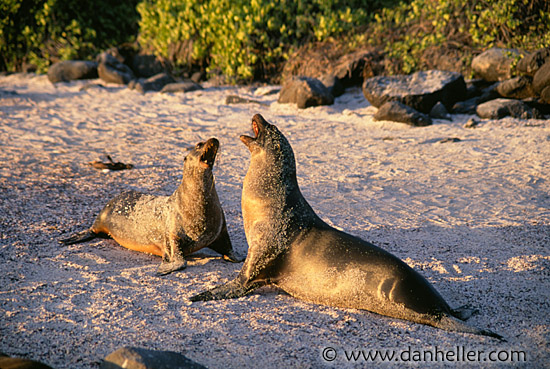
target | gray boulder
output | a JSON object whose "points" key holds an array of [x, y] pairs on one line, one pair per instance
{"points": [[500, 108], [139, 358], [545, 95], [420, 91], [495, 64], [541, 79], [305, 92], [398, 112], [439, 111], [530, 63], [111, 70], [333, 84], [516, 88], [70, 70], [183, 86], [155, 83]]}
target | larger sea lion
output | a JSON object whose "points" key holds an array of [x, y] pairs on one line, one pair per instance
{"points": [[291, 247], [169, 226]]}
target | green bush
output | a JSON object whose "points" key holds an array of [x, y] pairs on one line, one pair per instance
{"points": [[244, 39], [412, 28], [40, 32]]}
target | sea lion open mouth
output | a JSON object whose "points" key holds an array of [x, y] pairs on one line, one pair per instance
{"points": [[210, 149], [258, 124]]}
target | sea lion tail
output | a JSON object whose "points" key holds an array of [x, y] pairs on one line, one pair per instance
{"points": [[450, 323], [83, 236]]}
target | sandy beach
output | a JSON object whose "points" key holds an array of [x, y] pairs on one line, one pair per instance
{"points": [[471, 215]]}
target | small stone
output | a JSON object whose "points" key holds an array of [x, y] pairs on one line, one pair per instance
{"points": [[471, 123]]}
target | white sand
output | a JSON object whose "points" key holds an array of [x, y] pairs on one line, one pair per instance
{"points": [[471, 216]]}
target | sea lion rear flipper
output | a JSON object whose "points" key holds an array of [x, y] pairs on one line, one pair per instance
{"points": [[169, 267], [83, 236], [453, 324], [229, 290], [222, 245]]}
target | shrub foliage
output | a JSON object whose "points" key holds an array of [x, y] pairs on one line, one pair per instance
{"points": [[43, 31], [244, 39], [412, 28]]}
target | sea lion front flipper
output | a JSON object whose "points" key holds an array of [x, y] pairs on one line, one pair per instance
{"points": [[464, 312], [168, 267], [222, 245], [83, 236], [229, 290]]}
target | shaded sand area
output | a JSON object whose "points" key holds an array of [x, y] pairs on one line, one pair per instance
{"points": [[472, 216]]}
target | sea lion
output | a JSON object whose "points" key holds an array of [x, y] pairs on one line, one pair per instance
{"points": [[291, 247], [169, 226]]}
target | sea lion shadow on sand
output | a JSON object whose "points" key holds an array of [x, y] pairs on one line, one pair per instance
{"points": [[169, 226], [289, 246]]}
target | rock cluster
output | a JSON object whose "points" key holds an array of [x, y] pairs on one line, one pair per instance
{"points": [[521, 91]]}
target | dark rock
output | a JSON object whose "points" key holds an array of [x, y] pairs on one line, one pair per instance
{"points": [[70, 70], [541, 79], [305, 92], [399, 112], [495, 64], [545, 95], [198, 76], [421, 90], [500, 108], [142, 64], [183, 86], [19, 363], [539, 104], [234, 99], [530, 63], [155, 83], [471, 123], [516, 88], [139, 358], [351, 69], [111, 70], [333, 84], [439, 111], [449, 139], [146, 65], [466, 106]]}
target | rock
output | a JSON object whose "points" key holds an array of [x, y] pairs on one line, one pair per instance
{"points": [[111, 70], [545, 95], [495, 64], [70, 70], [155, 83], [146, 65], [516, 88], [333, 84], [466, 106], [439, 111], [398, 112], [530, 63], [305, 92], [183, 86], [471, 123], [235, 99], [541, 79], [500, 108], [142, 64], [139, 358], [198, 76], [351, 69], [420, 91], [20, 363], [539, 104]]}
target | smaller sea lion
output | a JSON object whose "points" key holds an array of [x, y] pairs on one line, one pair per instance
{"points": [[169, 226]]}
